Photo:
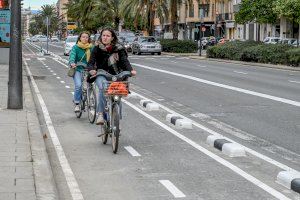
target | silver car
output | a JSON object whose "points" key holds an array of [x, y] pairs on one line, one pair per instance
{"points": [[146, 45], [70, 42]]}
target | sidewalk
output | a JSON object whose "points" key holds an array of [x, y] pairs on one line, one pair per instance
{"points": [[25, 171]]}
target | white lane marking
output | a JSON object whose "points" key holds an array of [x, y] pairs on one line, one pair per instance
{"points": [[201, 66], [240, 72], [61, 63], [41, 58], [294, 81], [62, 81], [149, 58], [54, 74], [49, 68], [173, 61], [58, 77], [51, 71], [56, 46], [172, 188], [266, 96], [67, 86], [263, 157], [28, 59], [132, 151], [46, 66], [69, 175], [164, 58], [217, 158], [72, 93]]}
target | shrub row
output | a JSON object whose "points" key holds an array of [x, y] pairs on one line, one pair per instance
{"points": [[178, 46], [251, 51]]}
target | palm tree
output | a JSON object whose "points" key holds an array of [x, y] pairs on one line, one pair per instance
{"points": [[50, 12]]}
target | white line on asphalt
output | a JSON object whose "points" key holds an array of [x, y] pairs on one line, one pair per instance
{"points": [[240, 72], [67, 86], [294, 81], [41, 58], [172, 188], [54, 74], [266, 96], [173, 61], [164, 58], [28, 59], [217, 158], [201, 66], [69, 175], [51, 71], [261, 156], [72, 93], [61, 63], [132, 151], [62, 81], [149, 58], [58, 77], [56, 46]]}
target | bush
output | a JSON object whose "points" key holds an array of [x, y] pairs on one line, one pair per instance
{"points": [[179, 46], [252, 51], [293, 57]]}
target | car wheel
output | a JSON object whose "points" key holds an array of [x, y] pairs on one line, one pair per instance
{"points": [[152, 53], [159, 53]]}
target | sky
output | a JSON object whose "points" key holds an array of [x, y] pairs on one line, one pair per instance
{"points": [[36, 4]]}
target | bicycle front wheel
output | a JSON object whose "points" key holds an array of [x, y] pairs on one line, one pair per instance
{"points": [[92, 104], [115, 122], [78, 114]]}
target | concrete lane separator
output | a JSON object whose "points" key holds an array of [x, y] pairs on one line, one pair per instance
{"points": [[132, 151], [67, 171], [228, 148], [179, 122], [217, 158], [45, 187], [290, 180], [172, 188], [241, 90], [149, 106]]}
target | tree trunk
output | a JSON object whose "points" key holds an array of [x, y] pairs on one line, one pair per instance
{"points": [[174, 19]]}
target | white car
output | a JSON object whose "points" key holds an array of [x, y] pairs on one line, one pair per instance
{"points": [[69, 43], [271, 40]]}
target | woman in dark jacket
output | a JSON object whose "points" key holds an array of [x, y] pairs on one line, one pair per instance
{"points": [[110, 56]]}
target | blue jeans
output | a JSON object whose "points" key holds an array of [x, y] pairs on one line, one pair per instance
{"points": [[78, 85], [101, 83]]}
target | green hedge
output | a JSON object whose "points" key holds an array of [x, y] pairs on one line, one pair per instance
{"points": [[251, 51], [178, 46]]}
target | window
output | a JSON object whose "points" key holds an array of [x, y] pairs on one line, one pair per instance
{"points": [[203, 10], [191, 10]]}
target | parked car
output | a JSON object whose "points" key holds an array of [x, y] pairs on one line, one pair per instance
{"points": [[288, 41], [296, 43], [271, 40], [128, 43], [54, 39], [69, 43], [146, 45]]}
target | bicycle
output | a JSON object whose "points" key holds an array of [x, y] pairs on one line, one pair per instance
{"points": [[88, 96], [116, 88]]}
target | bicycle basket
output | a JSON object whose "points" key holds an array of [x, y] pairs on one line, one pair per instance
{"points": [[117, 88]]}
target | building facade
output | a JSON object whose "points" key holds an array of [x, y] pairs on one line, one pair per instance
{"points": [[26, 16]]}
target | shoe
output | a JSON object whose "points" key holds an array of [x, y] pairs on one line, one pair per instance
{"points": [[100, 119], [77, 108]]}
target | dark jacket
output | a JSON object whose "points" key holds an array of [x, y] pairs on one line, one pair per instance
{"points": [[99, 59]]}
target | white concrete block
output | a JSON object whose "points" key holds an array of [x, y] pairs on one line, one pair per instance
{"points": [[285, 178], [169, 116], [184, 123], [143, 101], [233, 150], [211, 140], [152, 107]]}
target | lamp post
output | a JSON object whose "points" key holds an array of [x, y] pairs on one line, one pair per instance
{"points": [[15, 85]]}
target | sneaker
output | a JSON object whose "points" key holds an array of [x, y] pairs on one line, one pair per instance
{"points": [[77, 108], [100, 119]]}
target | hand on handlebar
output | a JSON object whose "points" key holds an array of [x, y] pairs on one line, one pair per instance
{"points": [[73, 65], [133, 72], [93, 72]]}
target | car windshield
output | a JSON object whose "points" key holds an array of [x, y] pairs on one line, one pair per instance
{"points": [[148, 40], [129, 39], [275, 40], [71, 39]]}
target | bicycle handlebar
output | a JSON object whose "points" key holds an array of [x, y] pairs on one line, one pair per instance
{"points": [[119, 77]]}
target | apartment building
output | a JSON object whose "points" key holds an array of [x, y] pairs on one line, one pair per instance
{"points": [[26, 16]]}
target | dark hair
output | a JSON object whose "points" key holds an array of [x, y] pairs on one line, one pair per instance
{"points": [[84, 32], [113, 34]]}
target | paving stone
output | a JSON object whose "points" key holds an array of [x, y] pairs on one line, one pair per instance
{"points": [[25, 196], [24, 172], [15, 164], [25, 184], [7, 196], [24, 158], [7, 158]]}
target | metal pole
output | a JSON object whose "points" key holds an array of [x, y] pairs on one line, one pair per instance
{"points": [[15, 85], [47, 32]]}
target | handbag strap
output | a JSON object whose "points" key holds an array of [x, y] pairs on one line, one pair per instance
{"points": [[82, 57]]}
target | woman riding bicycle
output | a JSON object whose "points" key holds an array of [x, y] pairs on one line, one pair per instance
{"points": [[110, 56], [81, 52]]}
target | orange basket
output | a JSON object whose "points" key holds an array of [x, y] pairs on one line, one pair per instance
{"points": [[117, 88]]}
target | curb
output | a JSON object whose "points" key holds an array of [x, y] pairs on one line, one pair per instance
{"points": [[290, 180], [179, 122], [149, 105], [228, 148], [45, 187]]}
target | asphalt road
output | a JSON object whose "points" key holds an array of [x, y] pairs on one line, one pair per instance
{"points": [[256, 107]]}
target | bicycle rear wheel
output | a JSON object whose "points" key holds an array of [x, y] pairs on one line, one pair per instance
{"points": [[92, 104], [115, 127], [104, 132]]}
